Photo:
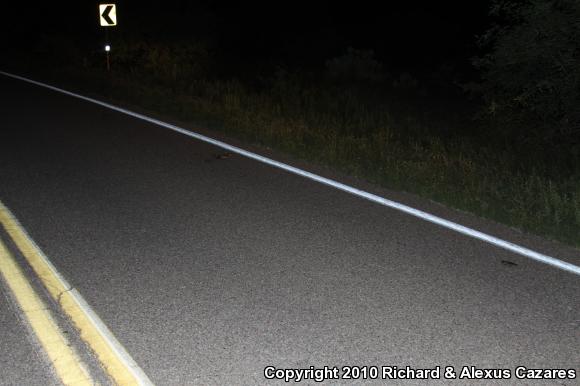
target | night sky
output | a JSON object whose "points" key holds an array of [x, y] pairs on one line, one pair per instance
{"points": [[405, 36]]}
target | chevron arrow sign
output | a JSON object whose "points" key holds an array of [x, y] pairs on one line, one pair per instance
{"points": [[108, 15]]}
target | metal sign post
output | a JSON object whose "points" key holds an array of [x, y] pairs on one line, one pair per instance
{"points": [[107, 18], [107, 49]]}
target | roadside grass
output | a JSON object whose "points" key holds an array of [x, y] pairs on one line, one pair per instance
{"points": [[456, 164]]}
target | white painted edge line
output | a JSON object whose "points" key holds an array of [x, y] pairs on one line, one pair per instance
{"points": [[107, 335], [335, 184]]}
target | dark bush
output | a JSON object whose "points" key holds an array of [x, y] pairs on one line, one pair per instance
{"points": [[171, 62], [355, 66]]}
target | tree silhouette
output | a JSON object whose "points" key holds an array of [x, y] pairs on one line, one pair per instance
{"points": [[531, 75]]}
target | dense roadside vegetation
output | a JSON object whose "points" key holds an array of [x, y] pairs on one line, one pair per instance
{"points": [[509, 153]]}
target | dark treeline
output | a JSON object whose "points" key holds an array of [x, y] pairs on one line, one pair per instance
{"points": [[406, 36]]}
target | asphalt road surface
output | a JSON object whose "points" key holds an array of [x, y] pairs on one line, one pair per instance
{"points": [[209, 267]]}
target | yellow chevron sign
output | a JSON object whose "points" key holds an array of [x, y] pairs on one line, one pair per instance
{"points": [[108, 15]]}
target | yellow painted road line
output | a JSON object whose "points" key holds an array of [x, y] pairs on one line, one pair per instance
{"points": [[113, 357], [66, 362]]}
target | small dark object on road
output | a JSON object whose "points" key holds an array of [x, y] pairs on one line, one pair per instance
{"points": [[223, 156], [509, 263]]}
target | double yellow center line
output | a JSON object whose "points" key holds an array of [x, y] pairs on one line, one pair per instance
{"points": [[64, 358], [71, 370]]}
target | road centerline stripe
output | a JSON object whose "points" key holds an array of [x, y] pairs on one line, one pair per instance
{"points": [[67, 364], [112, 356], [496, 241]]}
